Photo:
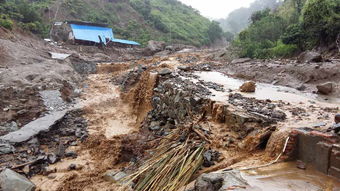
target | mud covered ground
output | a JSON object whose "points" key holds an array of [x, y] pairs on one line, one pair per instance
{"points": [[129, 106], [120, 111]]}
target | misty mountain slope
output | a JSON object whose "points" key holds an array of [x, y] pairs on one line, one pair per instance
{"points": [[239, 19]]}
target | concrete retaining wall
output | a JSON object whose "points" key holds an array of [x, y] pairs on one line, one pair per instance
{"points": [[320, 149]]}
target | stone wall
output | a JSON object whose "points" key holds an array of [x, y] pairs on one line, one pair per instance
{"points": [[177, 100], [320, 149]]}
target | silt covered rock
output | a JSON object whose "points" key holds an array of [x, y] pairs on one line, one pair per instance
{"points": [[248, 87], [310, 56], [12, 181], [325, 88]]}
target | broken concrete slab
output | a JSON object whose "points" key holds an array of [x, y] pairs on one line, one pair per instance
{"points": [[12, 181], [59, 56], [33, 128]]}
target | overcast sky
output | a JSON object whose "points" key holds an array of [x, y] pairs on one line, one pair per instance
{"points": [[216, 9]]}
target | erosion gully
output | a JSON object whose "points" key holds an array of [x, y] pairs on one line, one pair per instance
{"points": [[125, 105]]}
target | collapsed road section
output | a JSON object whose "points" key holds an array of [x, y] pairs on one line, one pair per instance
{"points": [[176, 123]]}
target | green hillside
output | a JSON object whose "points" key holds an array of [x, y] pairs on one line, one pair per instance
{"points": [[139, 20], [295, 26]]}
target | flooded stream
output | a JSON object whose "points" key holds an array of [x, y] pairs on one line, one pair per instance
{"points": [[263, 91]]}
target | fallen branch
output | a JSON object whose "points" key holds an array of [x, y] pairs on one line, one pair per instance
{"points": [[27, 163]]}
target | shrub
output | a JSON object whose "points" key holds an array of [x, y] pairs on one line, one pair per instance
{"points": [[294, 35], [6, 22], [283, 50]]}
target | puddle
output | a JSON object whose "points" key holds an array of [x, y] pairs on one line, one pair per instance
{"points": [[263, 91], [286, 177]]}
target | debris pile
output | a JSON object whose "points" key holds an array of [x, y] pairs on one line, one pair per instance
{"points": [[33, 154]]}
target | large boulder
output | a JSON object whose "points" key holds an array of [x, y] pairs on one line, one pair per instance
{"points": [[248, 87], [219, 181], [310, 56], [337, 118], [156, 46], [325, 88], [12, 181]]}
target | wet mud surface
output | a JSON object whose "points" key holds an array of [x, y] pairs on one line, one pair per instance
{"points": [[286, 177], [126, 109]]}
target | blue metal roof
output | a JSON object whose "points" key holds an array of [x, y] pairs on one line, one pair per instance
{"points": [[91, 33], [125, 41]]}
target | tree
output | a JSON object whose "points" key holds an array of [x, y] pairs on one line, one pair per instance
{"points": [[228, 36], [321, 21], [257, 16], [214, 31]]}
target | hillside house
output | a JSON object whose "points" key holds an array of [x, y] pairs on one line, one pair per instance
{"points": [[85, 33]]}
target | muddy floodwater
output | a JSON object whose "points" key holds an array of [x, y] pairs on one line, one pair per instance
{"points": [[287, 177], [263, 91]]}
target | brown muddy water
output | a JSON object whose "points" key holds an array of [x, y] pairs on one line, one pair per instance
{"points": [[263, 90], [287, 177]]}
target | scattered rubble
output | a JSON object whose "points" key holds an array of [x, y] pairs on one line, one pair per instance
{"points": [[52, 100], [156, 46], [218, 181], [114, 176]]}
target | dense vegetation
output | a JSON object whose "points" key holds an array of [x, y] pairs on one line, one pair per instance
{"points": [[24, 13], [139, 20], [295, 26]]}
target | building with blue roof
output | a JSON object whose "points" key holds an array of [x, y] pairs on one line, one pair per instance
{"points": [[88, 33]]}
